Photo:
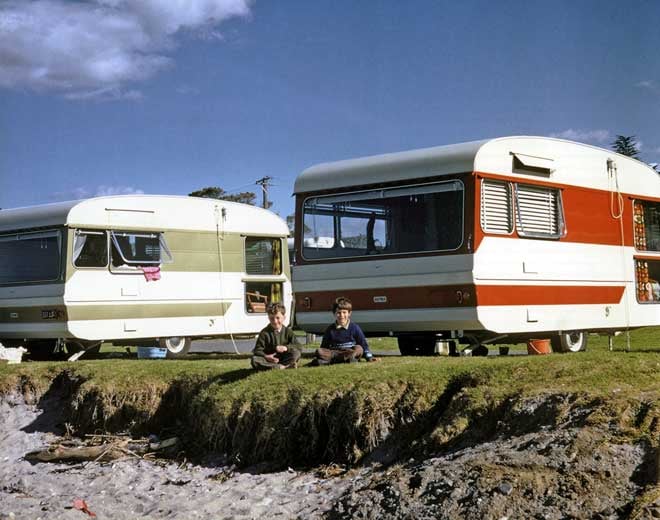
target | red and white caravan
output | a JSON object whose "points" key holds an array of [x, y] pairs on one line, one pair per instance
{"points": [[494, 241]]}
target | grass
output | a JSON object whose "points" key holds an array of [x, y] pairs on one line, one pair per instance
{"points": [[641, 339], [343, 412]]}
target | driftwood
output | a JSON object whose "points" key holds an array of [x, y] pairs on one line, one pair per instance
{"points": [[116, 449]]}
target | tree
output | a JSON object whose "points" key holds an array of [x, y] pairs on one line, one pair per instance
{"points": [[215, 192], [626, 145]]}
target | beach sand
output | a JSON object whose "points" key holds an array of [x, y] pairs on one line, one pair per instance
{"points": [[136, 488]]}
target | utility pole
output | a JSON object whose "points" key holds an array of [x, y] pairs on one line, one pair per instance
{"points": [[265, 184]]}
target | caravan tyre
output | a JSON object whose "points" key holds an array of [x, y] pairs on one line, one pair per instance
{"points": [[177, 346], [569, 342]]}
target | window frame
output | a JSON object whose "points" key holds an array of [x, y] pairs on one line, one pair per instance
{"points": [[133, 265], [30, 234], [645, 288], [561, 221], [642, 222], [249, 284], [347, 196], [91, 232], [262, 238], [511, 207]]}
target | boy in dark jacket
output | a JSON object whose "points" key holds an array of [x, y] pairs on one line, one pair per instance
{"points": [[276, 345], [343, 341]]}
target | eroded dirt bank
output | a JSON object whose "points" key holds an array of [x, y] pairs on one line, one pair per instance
{"points": [[554, 455]]}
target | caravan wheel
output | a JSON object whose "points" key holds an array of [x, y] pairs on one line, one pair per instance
{"points": [[569, 342], [177, 346]]}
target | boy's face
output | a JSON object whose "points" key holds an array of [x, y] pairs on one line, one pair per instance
{"points": [[276, 320], [342, 316]]}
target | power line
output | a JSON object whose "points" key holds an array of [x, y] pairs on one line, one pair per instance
{"points": [[265, 184]]}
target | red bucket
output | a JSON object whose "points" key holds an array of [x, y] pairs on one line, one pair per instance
{"points": [[538, 347]]}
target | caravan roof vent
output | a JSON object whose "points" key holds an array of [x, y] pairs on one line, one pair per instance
{"points": [[523, 163]]}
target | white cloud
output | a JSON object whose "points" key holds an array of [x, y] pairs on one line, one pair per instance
{"points": [[587, 136], [88, 48], [104, 191], [100, 191], [647, 84], [106, 94]]}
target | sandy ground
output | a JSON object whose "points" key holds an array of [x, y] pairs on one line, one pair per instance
{"points": [[550, 472], [132, 488]]}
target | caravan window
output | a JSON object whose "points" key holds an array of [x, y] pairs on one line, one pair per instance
{"points": [[402, 219], [647, 279], [30, 257], [263, 256], [259, 294], [496, 207], [135, 248], [539, 212], [90, 249], [647, 225]]}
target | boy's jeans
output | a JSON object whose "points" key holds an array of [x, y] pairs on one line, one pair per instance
{"points": [[327, 356]]}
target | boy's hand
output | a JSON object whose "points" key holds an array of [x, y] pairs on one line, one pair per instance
{"points": [[281, 348], [271, 358]]}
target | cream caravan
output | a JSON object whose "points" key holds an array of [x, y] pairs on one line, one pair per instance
{"points": [[487, 242], [134, 268]]}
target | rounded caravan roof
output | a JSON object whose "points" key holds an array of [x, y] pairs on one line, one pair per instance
{"points": [[389, 167], [147, 212], [568, 163]]}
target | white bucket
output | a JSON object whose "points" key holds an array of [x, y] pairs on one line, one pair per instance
{"points": [[13, 356]]}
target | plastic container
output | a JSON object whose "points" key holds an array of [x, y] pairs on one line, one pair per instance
{"points": [[538, 347], [151, 353], [12, 356]]}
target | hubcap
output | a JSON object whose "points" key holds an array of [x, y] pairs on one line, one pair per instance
{"points": [[175, 344], [574, 341]]}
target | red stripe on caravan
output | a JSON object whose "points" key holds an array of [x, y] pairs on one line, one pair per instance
{"points": [[548, 294], [441, 296]]}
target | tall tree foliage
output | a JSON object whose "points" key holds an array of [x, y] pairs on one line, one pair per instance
{"points": [[215, 192], [626, 145]]}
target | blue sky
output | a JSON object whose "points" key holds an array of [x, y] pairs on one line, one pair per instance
{"points": [[164, 96]]}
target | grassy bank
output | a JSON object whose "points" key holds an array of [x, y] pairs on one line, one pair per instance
{"points": [[344, 413]]}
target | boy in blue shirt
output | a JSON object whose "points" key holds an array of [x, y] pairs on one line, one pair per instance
{"points": [[343, 341]]}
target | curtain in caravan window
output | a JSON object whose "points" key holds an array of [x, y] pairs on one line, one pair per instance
{"points": [[496, 207], [539, 212], [263, 256], [647, 225], [90, 249]]}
